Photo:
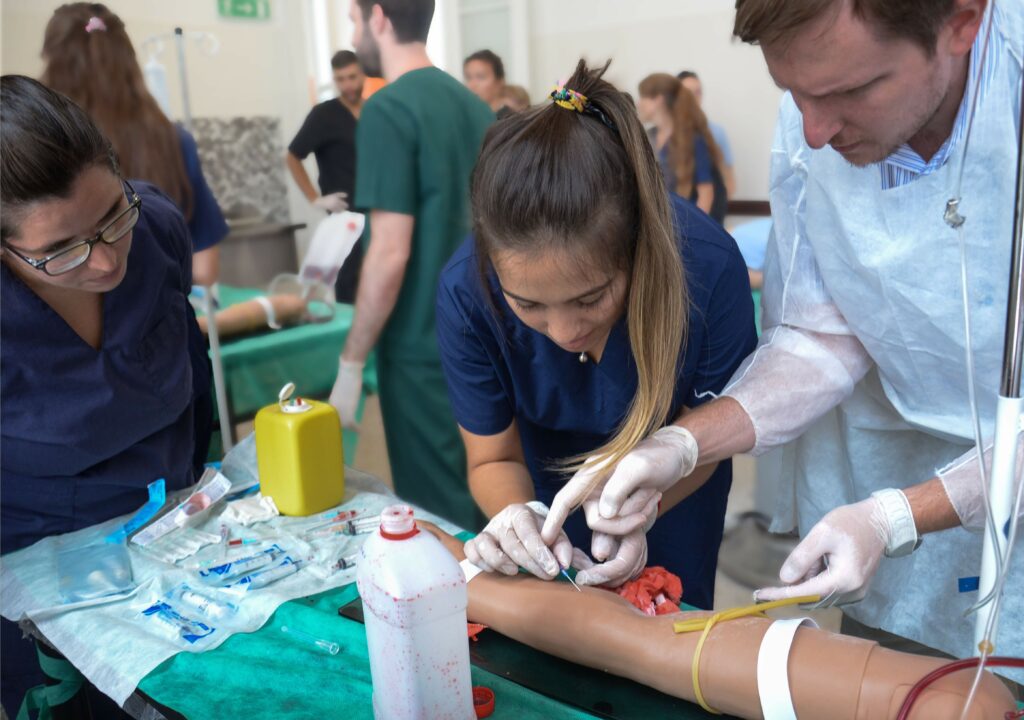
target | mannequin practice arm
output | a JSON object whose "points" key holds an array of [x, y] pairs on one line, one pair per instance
{"points": [[830, 676], [250, 316]]}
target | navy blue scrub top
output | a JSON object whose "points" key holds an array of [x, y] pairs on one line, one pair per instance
{"points": [[207, 226], [84, 431], [498, 370]]}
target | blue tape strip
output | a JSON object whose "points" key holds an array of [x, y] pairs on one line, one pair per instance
{"points": [[157, 498], [968, 584]]}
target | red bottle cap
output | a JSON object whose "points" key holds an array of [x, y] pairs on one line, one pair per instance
{"points": [[483, 701]]}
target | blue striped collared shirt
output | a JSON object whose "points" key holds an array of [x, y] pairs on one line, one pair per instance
{"points": [[905, 165]]}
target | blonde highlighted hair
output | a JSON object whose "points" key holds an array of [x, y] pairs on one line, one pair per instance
{"points": [[588, 185]]}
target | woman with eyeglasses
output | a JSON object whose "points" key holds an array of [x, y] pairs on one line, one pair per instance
{"points": [[104, 378]]}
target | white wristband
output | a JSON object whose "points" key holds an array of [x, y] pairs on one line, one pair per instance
{"points": [[268, 308], [469, 570], [903, 536], [773, 668]]}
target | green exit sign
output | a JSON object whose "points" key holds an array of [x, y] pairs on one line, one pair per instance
{"points": [[245, 9]]}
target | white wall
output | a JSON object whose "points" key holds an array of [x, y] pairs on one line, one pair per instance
{"points": [[646, 36], [261, 67]]}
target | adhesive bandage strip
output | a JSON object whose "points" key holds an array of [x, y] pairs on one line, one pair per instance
{"points": [[469, 570], [773, 668]]}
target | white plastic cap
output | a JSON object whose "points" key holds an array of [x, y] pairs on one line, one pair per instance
{"points": [[397, 520]]}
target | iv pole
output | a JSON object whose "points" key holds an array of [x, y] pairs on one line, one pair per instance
{"points": [[219, 388], [1002, 485]]}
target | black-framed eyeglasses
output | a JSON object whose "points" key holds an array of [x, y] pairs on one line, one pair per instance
{"points": [[75, 255]]}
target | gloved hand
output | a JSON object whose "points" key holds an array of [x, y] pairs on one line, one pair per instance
{"points": [[653, 466], [838, 557], [332, 202], [624, 558], [346, 391], [512, 540]]}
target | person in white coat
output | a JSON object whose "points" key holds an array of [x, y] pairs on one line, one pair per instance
{"points": [[860, 374]]}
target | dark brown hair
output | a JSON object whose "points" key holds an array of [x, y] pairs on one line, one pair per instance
{"points": [[491, 58], [342, 59], [688, 122], [768, 21], [410, 18], [553, 179], [46, 142], [660, 85], [100, 72]]}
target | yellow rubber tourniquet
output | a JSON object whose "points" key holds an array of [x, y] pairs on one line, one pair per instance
{"points": [[705, 625]]}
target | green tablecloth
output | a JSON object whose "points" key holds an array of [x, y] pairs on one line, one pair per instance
{"points": [[256, 367], [266, 675], [756, 294]]}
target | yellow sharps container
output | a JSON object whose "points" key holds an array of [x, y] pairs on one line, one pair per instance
{"points": [[299, 454]]}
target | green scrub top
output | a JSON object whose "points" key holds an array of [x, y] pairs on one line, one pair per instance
{"points": [[416, 144]]}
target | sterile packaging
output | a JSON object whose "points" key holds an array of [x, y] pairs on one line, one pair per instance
{"points": [[239, 465], [180, 544], [226, 572], [204, 601], [209, 490], [188, 629], [94, 571], [265, 576]]}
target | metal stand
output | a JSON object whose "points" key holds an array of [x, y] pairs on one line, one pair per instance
{"points": [[227, 432], [1003, 483]]}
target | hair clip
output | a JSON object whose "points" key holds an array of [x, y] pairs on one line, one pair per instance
{"points": [[95, 24]]}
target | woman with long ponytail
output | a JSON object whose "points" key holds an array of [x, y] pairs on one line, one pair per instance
{"points": [[589, 310]]}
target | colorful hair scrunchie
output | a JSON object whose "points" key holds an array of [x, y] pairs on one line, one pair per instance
{"points": [[569, 99], [572, 100]]}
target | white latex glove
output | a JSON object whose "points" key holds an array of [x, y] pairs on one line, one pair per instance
{"points": [[624, 559], [653, 466], [346, 391], [838, 557], [332, 202], [512, 540]]}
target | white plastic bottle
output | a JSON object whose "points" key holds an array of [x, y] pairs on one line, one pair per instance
{"points": [[414, 602]]}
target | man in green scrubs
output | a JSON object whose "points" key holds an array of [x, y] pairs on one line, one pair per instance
{"points": [[416, 144]]}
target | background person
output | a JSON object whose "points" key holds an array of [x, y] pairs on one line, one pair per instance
{"points": [[689, 157], [329, 132], [417, 141], [516, 98], [692, 83], [90, 59], [484, 74]]}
